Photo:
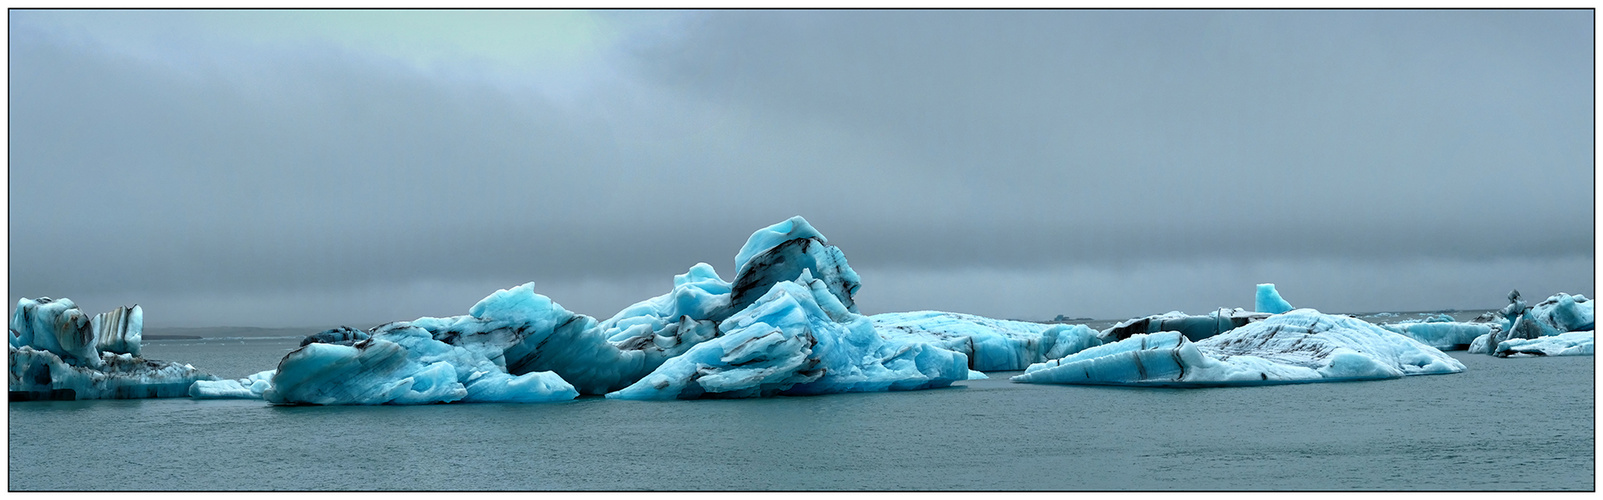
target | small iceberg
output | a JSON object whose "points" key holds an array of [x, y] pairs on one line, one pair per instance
{"points": [[58, 352], [1192, 327], [1298, 346], [1562, 325], [1269, 301], [1442, 332]]}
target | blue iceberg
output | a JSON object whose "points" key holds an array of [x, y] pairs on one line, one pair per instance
{"points": [[1299, 346], [990, 344], [1269, 301], [58, 352]]}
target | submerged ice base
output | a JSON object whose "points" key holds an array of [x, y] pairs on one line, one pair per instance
{"points": [[1299, 346]]}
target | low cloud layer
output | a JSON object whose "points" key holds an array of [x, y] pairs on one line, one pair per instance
{"points": [[308, 168]]}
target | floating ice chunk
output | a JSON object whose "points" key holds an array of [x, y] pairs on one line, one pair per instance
{"points": [[1269, 301], [798, 339], [58, 352], [1302, 345], [1193, 327], [250, 387], [342, 336], [1564, 344], [1444, 335], [403, 364], [780, 253], [990, 344]]}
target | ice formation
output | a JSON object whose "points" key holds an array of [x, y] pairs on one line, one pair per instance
{"points": [[1299, 346], [58, 352], [798, 339], [1193, 327], [1518, 329], [787, 325], [1269, 301], [990, 344]]}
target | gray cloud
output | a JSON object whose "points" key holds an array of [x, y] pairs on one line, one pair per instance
{"points": [[211, 176]]}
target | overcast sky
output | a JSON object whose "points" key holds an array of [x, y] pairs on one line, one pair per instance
{"points": [[319, 168]]}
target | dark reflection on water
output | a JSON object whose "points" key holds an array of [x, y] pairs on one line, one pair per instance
{"points": [[1503, 424]]}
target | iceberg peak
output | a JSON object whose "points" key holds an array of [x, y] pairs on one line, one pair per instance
{"points": [[1269, 301], [794, 228]]}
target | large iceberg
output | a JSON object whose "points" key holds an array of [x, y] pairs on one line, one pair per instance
{"points": [[58, 352], [990, 344], [1299, 346], [517, 345]]}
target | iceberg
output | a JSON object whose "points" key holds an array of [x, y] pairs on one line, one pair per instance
{"points": [[1526, 326], [250, 387], [1563, 344], [58, 352], [798, 339], [1298, 346], [990, 344], [1269, 301], [1193, 327]]}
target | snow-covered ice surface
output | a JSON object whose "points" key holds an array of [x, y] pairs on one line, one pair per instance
{"points": [[1299, 346], [990, 344], [58, 352]]}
